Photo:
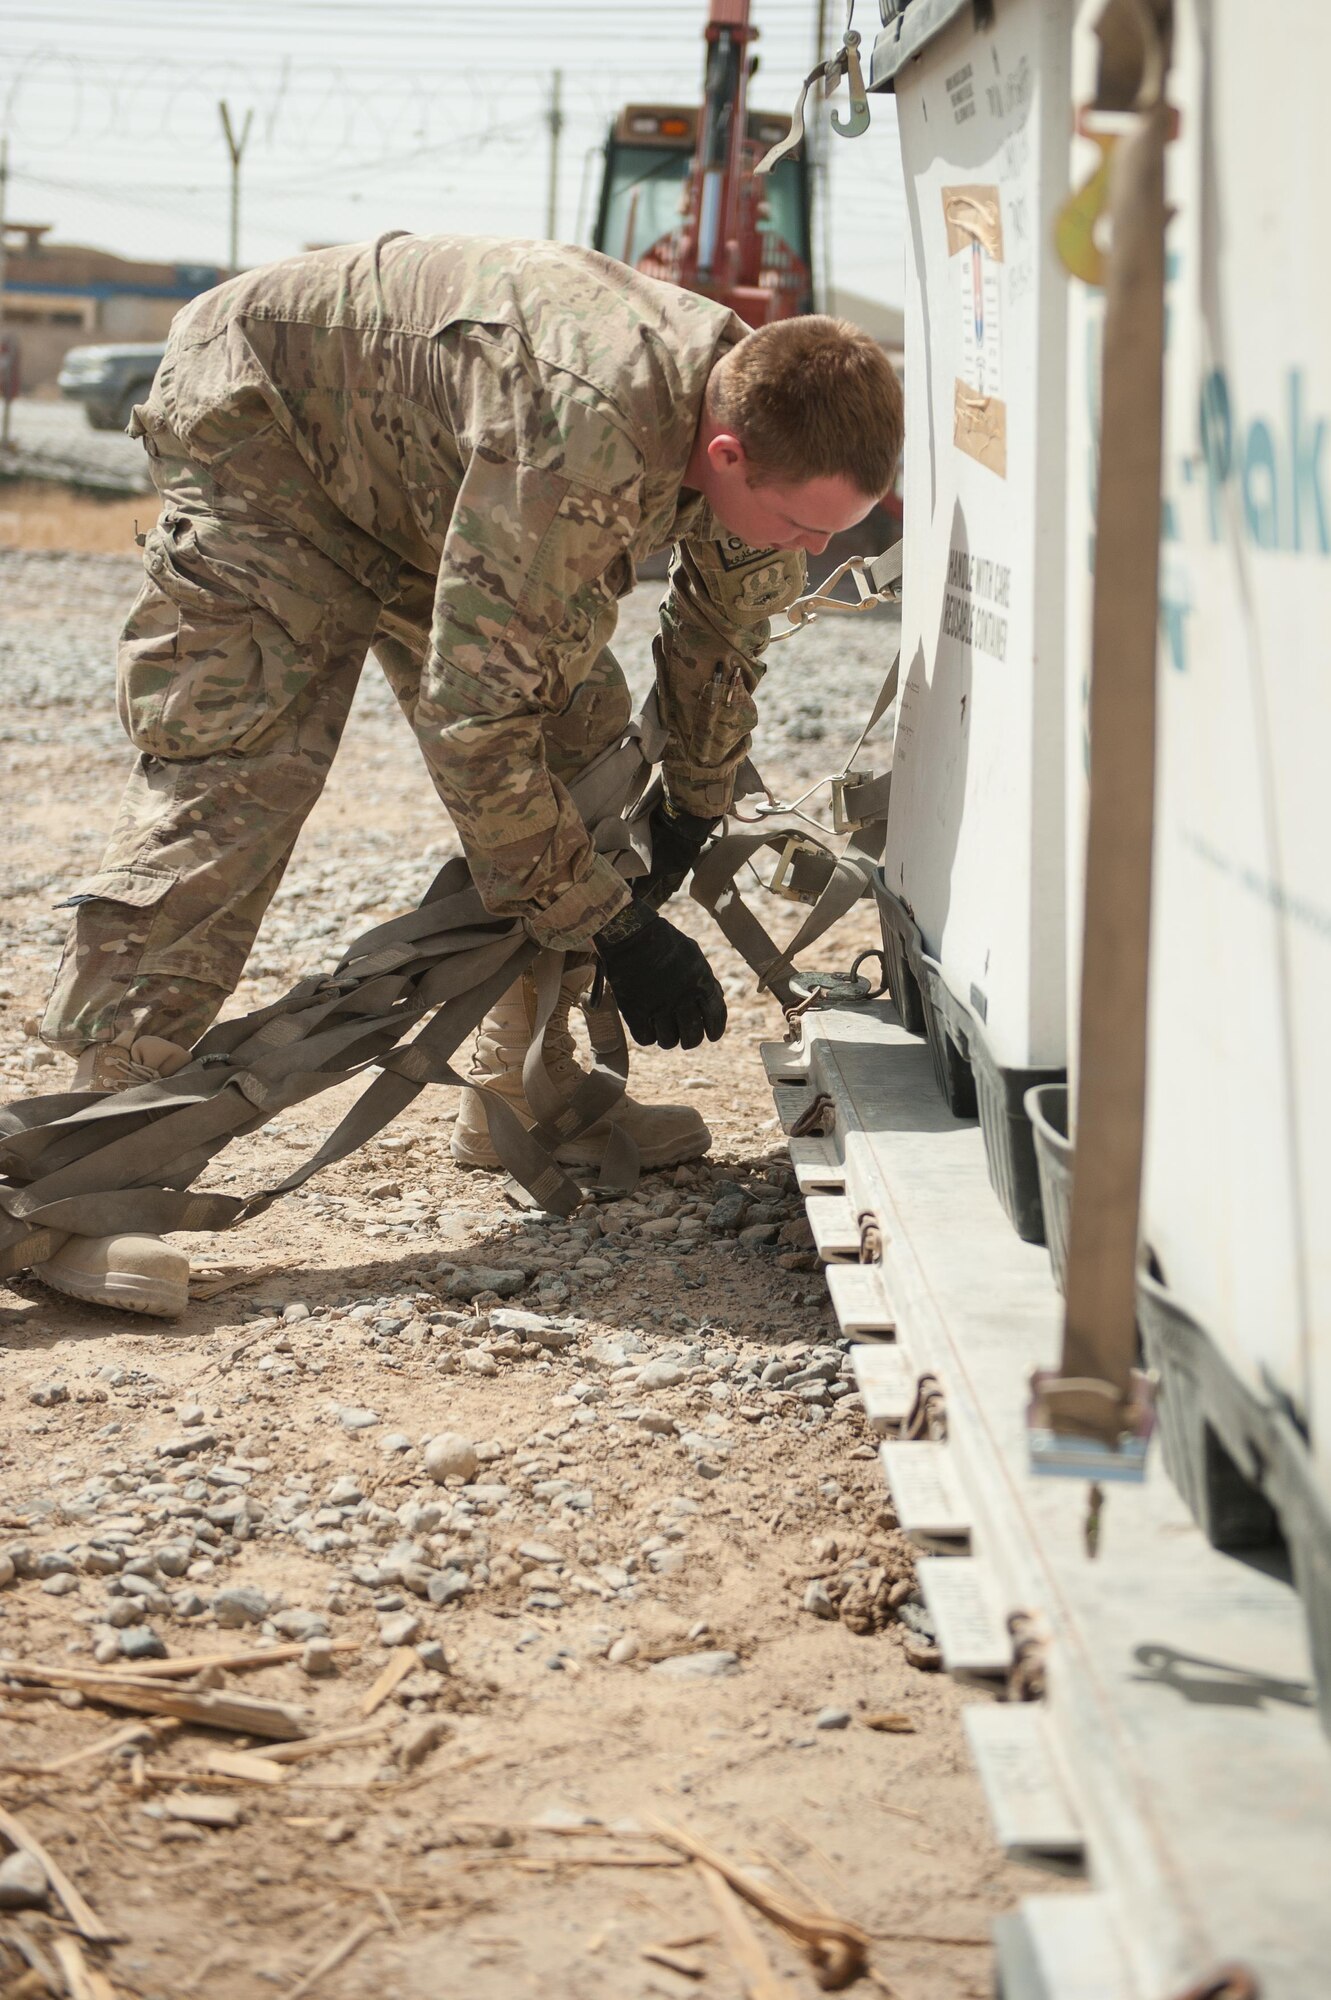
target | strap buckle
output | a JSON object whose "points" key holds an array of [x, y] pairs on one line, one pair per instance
{"points": [[858, 799], [1085, 1429], [801, 871]]}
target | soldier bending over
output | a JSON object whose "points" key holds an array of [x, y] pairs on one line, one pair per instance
{"points": [[452, 451]]}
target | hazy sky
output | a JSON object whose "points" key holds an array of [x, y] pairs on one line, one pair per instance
{"points": [[376, 114]]}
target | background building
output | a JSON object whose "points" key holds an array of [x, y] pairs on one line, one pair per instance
{"points": [[62, 295]]}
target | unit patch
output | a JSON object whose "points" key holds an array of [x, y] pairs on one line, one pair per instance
{"points": [[736, 554]]}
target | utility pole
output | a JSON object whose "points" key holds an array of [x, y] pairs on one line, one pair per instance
{"points": [[4, 217], [555, 120], [5, 363], [820, 185], [236, 147]]}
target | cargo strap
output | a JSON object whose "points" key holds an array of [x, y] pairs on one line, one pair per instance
{"points": [[842, 879], [97, 1165], [846, 877], [1094, 1394]]}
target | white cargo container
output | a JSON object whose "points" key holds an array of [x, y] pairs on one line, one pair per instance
{"points": [[974, 863], [1237, 1199]]}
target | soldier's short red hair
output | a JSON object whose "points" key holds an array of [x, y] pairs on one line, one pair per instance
{"points": [[812, 398]]}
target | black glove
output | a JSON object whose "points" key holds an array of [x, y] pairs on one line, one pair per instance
{"points": [[665, 989], [678, 838]]}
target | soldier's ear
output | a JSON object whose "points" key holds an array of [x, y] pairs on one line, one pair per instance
{"points": [[726, 455]]}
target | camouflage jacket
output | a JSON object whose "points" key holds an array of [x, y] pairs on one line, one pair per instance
{"points": [[514, 418]]}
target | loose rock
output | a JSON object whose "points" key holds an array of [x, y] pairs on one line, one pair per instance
{"points": [[140, 1642], [697, 1666], [450, 1456], [402, 1630], [483, 1278], [241, 1605], [299, 1626], [23, 1884], [817, 1600]]}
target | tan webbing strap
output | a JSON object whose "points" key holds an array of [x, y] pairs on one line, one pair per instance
{"points": [[884, 699], [713, 885], [95, 1165], [99, 1165], [559, 1117], [1092, 1394]]}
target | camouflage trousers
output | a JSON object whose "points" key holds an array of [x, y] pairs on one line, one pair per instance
{"points": [[236, 672]]}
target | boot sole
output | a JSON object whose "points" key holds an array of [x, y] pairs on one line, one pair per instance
{"points": [[651, 1157], [156, 1297]]}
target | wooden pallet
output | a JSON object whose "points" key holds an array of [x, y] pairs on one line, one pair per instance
{"points": [[1177, 1756]]}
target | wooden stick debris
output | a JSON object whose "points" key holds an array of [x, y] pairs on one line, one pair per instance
{"points": [[382, 1899], [30, 1985], [660, 1954], [810, 1846], [935, 1937], [211, 1282], [105, 1745], [198, 1809], [552, 1864], [85, 1982], [213, 1708], [244, 1714], [254, 1769], [182, 1667], [883, 1984], [399, 1666], [836, 1948], [83, 1917], [792, 1881], [589, 1832], [331, 1739], [232, 1663], [339, 1955], [745, 1945]]}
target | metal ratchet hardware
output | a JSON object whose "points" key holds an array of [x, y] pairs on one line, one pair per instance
{"points": [[877, 581], [846, 62]]}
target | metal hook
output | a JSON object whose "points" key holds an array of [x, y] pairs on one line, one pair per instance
{"points": [[846, 62], [858, 121]]}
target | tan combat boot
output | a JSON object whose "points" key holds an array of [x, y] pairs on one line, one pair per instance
{"points": [[138, 1274], [664, 1134]]}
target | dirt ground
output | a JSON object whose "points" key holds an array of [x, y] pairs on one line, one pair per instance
{"points": [[599, 1615]]}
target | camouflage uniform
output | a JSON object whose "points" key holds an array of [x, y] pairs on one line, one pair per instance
{"points": [[454, 451]]}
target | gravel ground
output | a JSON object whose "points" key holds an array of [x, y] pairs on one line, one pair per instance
{"points": [[601, 1491], [54, 440]]}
